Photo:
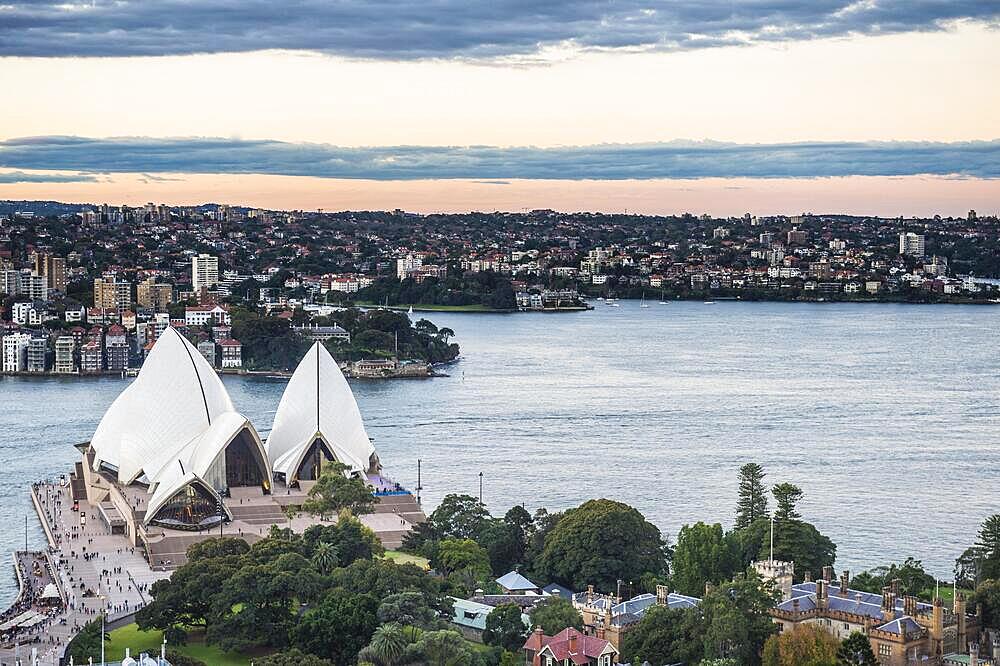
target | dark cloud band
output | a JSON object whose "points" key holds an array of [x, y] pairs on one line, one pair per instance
{"points": [[477, 29], [678, 159], [9, 177]]}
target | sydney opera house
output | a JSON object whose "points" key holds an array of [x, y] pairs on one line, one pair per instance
{"points": [[172, 460]]}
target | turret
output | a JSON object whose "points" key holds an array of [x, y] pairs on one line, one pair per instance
{"points": [[959, 610]]}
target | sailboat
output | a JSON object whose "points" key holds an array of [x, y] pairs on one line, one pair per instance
{"points": [[663, 301], [642, 302], [410, 311]]}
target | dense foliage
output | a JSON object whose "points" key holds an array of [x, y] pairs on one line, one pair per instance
{"points": [[272, 343], [805, 645], [586, 547], [486, 288]]}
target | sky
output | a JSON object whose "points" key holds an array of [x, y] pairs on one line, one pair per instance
{"points": [[765, 106]]}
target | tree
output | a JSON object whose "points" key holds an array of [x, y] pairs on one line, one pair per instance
{"points": [[408, 609], [505, 628], [805, 645], [786, 496], [350, 539], [989, 542], [293, 657], [967, 567], [795, 540], [856, 650], [702, 555], [600, 542], [87, 643], [216, 547], [325, 557], [503, 544], [464, 555], [334, 492], [459, 516], [987, 595], [800, 542], [910, 574], [555, 614], [440, 648], [662, 636], [387, 646], [177, 659], [735, 621], [338, 627], [752, 502]]}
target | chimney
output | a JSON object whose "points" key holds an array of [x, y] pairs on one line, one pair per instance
{"points": [[795, 605], [974, 654], [590, 593], [888, 604], [662, 595], [895, 587], [572, 641], [822, 592], [828, 573], [845, 580], [807, 577]]}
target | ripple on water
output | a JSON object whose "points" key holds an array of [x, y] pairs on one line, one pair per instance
{"points": [[887, 416]]}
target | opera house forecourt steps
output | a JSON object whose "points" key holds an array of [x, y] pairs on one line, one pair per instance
{"points": [[176, 461]]}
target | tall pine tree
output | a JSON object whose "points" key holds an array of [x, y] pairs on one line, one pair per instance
{"points": [[752, 502], [989, 542]]}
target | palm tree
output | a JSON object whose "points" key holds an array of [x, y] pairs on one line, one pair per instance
{"points": [[326, 558], [387, 645]]}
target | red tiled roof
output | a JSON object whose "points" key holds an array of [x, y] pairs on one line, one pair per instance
{"points": [[586, 649], [229, 342]]}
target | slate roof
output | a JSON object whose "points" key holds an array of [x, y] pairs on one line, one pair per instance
{"points": [[557, 590], [514, 582], [904, 624], [857, 602]]}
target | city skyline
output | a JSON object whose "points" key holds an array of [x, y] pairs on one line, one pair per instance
{"points": [[584, 107]]}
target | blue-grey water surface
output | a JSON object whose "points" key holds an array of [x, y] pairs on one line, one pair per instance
{"points": [[887, 416]]}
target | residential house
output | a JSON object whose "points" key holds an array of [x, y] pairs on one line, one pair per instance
{"points": [[65, 352], [568, 648], [232, 353]]}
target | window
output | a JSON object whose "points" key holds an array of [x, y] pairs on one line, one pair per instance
{"points": [[885, 650], [191, 508]]}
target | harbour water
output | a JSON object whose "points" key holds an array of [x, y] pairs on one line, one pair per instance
{"points": [[887, 416]]}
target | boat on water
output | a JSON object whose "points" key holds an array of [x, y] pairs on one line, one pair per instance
{"points": [[663, 301], [410, 311], [600, 298], [709, 302]]}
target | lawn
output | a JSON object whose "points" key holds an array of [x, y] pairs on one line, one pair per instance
{"points": [[405, 558], [149, 641]]}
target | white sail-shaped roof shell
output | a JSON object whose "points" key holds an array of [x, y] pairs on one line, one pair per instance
{"points": [[318, 404], [171, 423]]}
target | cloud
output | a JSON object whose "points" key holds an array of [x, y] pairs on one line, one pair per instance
{"points": [[473, 29], [672, 160], [22, 177]]}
